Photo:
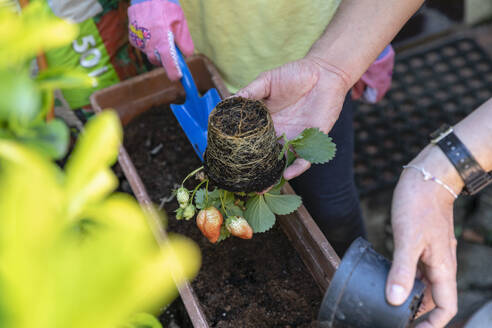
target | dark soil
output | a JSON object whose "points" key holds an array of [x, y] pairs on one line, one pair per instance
{"points": [[242, 283]]}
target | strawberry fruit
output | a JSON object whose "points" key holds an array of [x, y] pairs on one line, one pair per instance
{"points": [[209, 221], [239, 227]]}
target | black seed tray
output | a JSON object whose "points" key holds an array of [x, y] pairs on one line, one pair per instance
{"points": [[440, 84]]}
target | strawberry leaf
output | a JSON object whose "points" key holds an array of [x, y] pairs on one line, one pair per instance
{"points": [[235, 210], [224, 233], [282, 204], [314, 146], [214, 198], [258, 214], [228, 198], [200, 199]]}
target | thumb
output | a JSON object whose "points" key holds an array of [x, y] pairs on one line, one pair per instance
{"points": [[297, 168], [402, 273], [258, 89]]}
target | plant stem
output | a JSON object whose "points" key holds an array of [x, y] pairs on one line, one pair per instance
{"points": [[196, 189], [191, 174], [222, 202], [285, 147]]}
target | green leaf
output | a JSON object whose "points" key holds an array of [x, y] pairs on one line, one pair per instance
{"points": [[214, 198], [228, 198], [47, 102], [285, 148], [282, 204], [314, 146], [276, 189], [36, 30], [258, 214], [203, 201], [291, 157], [224, 233], [51, 138], [142, 320], [200, 198], [64, 78], [235, 210], [20, 100], [97, 148]]}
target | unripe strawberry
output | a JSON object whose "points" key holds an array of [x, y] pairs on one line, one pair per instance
{"points": [[189, 212], [179, 214], [209, 221], [239, 227], [183, 197]]}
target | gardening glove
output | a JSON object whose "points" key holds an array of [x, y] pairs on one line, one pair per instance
{"points": [[154, 27], [376, 81]]}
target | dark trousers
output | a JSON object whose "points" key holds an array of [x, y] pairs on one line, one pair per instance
{"points": [[328, 190]]}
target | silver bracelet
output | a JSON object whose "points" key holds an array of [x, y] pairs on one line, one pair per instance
{"points": [[428, 176]]}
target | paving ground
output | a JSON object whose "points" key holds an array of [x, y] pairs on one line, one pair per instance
{"points": [[473, 225]]}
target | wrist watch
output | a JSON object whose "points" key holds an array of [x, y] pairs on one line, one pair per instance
{"points": [[472, 174]]}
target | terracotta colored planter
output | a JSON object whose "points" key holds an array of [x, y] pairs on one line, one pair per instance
{"points": [[137, 95]]}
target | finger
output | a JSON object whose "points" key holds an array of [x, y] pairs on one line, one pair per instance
{"points": [[427, 301], [296, 169], [258, 89], [169, 60], [442, 276], [403, 269], [154, 58], [183, 37], [445, 297]]}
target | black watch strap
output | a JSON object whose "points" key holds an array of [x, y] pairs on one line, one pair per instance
{"points": [[473, 175]]}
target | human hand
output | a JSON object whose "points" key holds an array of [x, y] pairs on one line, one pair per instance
{"points": [[422, 220], [154, 27], [302, 94]]}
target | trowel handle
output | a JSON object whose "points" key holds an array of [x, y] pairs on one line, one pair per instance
{"points": [[187, 79]]}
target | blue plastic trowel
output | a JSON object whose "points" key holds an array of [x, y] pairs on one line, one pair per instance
{"points": [[193, 114]]}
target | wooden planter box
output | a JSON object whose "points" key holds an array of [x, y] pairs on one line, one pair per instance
{"points": [[137, 95]]}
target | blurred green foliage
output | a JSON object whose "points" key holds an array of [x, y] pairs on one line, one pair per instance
{"points": [[72, 252], [25, 102]]}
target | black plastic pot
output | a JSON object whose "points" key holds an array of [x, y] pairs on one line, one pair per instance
{"points": [[356, 295]]}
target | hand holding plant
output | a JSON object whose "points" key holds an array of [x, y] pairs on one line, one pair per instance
{"points": [[246, 211], [307, 93]]}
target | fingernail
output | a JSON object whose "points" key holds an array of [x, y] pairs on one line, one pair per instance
{"points": [[396, 294]]}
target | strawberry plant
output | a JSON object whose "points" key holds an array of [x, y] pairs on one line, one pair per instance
{"points": [[246, 213]]}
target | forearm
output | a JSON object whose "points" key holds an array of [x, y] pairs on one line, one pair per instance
{"points": [[475, 131], [359, 31]]}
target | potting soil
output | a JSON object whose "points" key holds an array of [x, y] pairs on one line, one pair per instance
{"points": [[242, 283]]}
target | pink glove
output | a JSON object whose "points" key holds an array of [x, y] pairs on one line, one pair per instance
{"points": [[154, 27], [376, 81]]}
